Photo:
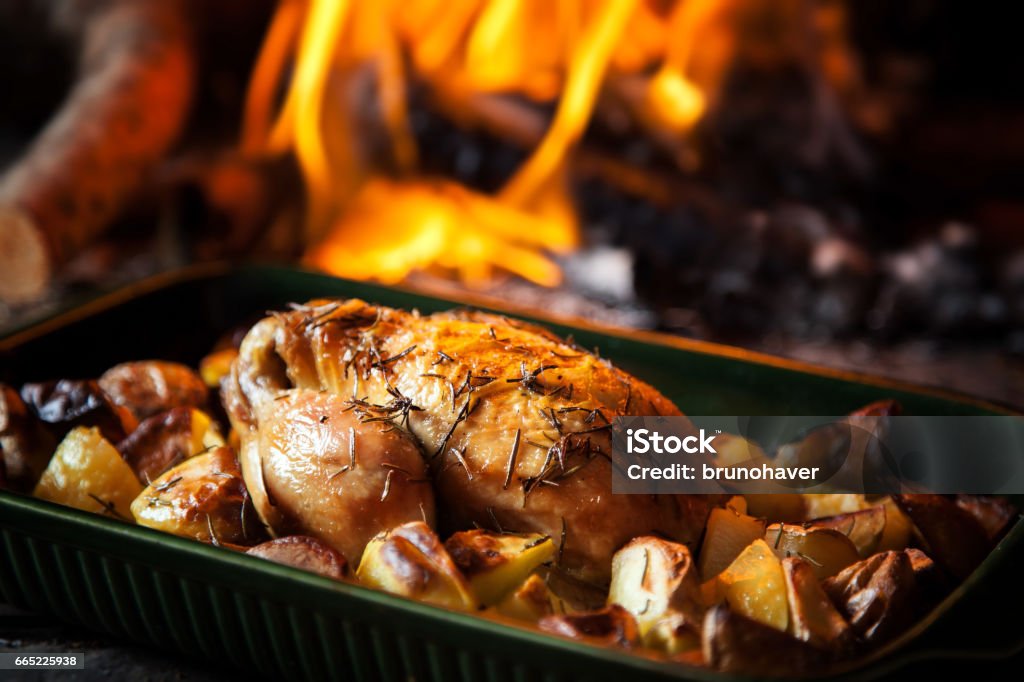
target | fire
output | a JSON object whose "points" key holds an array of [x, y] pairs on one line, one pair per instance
{"points": [[367, 222]]}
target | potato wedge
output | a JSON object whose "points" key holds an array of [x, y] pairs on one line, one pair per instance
{"points": [[203, 498], [610, 626], [63, 405], [812, 616], [899, 529], [827, 550], [955, 540], [864, 528], [300, 551], [575, 593], [652, 578], [410, 561], [754, 586], [87, 473], [726, 535], [994, 514], [497, 563], [531, 601], [876, 595], [788, 507], [148, 387], [737, 503], [826, 505], [167, 439], [673, 634], [216, 366], [734, 643]]}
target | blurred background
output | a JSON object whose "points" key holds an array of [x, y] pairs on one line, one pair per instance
{"points": [[828, 180]]}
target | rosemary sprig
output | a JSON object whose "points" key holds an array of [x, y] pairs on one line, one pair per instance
{"points": [[511, 465], [108, 506]]}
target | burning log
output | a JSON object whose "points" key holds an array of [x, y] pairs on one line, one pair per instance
{"points": [[121, 116]]}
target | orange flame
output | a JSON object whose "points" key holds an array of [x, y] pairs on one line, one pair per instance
{"points": [[364, 224]]}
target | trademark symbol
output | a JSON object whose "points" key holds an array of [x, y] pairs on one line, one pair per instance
{"points": [[718, 430]]}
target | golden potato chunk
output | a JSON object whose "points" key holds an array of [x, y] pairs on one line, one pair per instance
{"points": [[727, 534], [410, 561], [203, 498], [827, 550], [812, 617], [216, 366], [87, 473], [497, 563], [898, 528], [531, 601], [754, 586], [822, 505], [652, 578], [864, 528]]}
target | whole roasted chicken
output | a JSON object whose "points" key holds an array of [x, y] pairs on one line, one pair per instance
{"points": [[355, 418]]}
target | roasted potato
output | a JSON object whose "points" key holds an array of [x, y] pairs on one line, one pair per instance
{"points": [[864, 528], [726, 535], [25, 445], [653, 578], [827, 550], [167, 439], [898, 529], [737, 503], [87, 473], [812, 616], [531, 601], [734, 643], [216, 366], [953, 538], [300, 551], [994, 514], [673, 634], [826, 505], [202, 498], [410, 561], [876, 595], [497, 563], [148, 387], [610, 626], [753, 585], [575, 593], [63, 405]]}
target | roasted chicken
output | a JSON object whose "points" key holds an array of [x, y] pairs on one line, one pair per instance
{"points": [[512, 424]]}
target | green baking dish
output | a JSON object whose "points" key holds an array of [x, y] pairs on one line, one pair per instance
{"points": [[276, 621]]}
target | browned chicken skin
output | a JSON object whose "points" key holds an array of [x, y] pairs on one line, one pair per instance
{"points": [[513, 422]]}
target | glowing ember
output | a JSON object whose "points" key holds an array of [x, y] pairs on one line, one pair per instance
{"points": [[365, 223]]}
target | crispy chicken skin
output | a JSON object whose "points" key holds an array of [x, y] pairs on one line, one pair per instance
{"points": [[513, 422]]}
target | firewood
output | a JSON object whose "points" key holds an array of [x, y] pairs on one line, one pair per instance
{"points": [[123, 113]]}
